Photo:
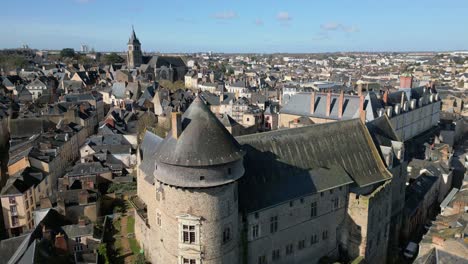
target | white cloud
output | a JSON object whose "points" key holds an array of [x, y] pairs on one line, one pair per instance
{"points": [[259, 22], [333, 26], [225, 15], [321, 36], [283, 16]]}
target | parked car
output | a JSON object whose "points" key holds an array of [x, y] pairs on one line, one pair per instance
{"points": [[411, 250]]}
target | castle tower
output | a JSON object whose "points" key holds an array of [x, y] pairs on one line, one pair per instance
{"points": [[134, 55], [195, 208]]}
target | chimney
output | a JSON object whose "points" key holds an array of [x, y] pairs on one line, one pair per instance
{"points": [[83, 197], [385, 97], [359, 89], [340, 104], [82, 221], [176, 125], [312, 102], [61, 244], [362, 113], [328, 104]]}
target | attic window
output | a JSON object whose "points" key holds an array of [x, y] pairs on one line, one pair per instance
{"points": [[202, 178], [229, 171]]}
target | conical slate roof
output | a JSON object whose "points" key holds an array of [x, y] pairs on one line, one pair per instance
{"points": [[204, 141], [133, 38]]}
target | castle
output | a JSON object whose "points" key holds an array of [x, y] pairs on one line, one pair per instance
{"points": [[287, 196]]}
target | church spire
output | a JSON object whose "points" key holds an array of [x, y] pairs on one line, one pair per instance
{"points": [[133, 38]]}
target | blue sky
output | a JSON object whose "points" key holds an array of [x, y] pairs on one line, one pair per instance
{"points": [[238, 25]]}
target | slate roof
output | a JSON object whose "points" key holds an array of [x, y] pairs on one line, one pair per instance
{"points": [[286, 164], [382, 131], [78, 231], [9, 246], [159, 61], [204, 140], [20, 182], [299, 104]]}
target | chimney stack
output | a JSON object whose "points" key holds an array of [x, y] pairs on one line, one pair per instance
{"points": [[312, 102], [328, 104], [83, 197], [385, 97], [82, 221], [176, 124], [362, 113], [61, 244], [340, 104]]}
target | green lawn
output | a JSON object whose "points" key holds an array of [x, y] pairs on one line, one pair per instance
{"points": [[130, 224], [134, 246], [116, 224]]}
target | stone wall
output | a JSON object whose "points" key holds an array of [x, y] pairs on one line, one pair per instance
{"points": [[296, 225]]}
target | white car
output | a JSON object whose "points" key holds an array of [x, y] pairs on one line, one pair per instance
{"points": [[411, 250]]}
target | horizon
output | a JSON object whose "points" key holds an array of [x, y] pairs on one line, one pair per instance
{"points": [[293, 27]]}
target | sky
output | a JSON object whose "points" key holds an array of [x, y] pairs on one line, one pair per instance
{"points": [[255, 26]]}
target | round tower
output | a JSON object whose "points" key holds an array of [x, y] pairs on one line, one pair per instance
{"points": [[196, 171]]}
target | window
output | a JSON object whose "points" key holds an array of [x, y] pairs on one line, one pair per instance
{"points": [[226, 234], [313, 239], [289, 249], [321, 194], [291, 203], [335, 202], [229, 171], [189, 261], [256, 215], [313, 209], [254, 231], [325, 235], [78, 239], [331, 191], [13, 209], [158, 217], [12, 200], [273, 224], [248, 119], [27, 204], [275, 255], [302, 200], [14, 220], [301, 245], [78, 248], [188, 234], [262, 259]]}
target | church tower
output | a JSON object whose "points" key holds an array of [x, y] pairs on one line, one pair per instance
{"points": [[134, 55]]}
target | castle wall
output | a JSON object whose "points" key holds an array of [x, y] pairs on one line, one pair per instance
{"points": [[368, 223], [311, 237]]}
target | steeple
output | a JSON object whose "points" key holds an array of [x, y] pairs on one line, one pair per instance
{"points": [[134, 55], [133, 38]]}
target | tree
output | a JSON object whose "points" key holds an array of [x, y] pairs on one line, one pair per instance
{"points": [[12, 62], [67, 53], [112, 58], [102, 250]]}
